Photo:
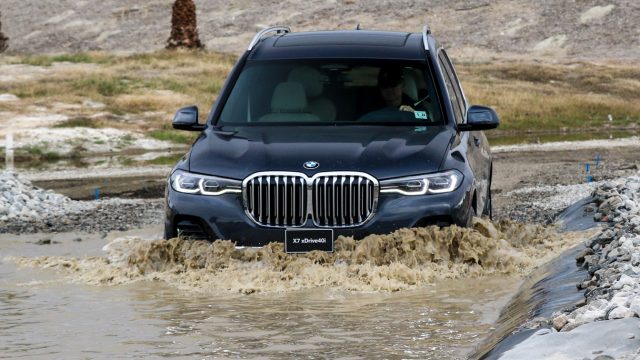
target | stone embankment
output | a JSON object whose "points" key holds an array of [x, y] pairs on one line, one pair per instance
{"points": [[25, 208], [612, 258]]}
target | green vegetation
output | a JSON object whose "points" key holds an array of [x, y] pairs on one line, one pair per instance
{"points": [[104, 85], [166, 160], [176, 136], [78, 122], [38, 153], [76, 58]]}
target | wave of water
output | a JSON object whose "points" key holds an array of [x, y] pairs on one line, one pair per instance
{"points": [[403, 260]]}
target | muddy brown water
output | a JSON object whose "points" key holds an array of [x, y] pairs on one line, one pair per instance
{"points": [[429, 294]]}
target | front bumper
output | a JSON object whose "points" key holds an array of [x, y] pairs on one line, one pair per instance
{"points": [[223, 216]]}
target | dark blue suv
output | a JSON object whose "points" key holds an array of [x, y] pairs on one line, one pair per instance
{"points": [[320, 134]]}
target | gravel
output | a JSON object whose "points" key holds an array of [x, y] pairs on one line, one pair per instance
{"points": [[541, 204], [25, 208], [574, 29], [612, 259]]}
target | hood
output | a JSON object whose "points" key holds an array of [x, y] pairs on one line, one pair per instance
{"points": [[382, 151]]}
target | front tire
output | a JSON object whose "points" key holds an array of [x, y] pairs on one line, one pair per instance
{"points": [[488, 206], [472, 214]]}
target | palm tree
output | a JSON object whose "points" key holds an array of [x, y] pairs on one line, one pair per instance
{"points": [[184, 27], [4, 41]]}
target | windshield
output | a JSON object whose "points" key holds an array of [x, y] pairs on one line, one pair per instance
{"points": [[333, 92]]}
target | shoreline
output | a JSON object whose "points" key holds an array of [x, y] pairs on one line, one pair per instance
{"points": [[604, 323]]}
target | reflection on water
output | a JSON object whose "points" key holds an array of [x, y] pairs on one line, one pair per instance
{"points": [[66, 303], [152, 319], [497, 138], [98, 161]]}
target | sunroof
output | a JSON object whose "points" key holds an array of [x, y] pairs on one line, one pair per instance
{"points": [[343, 38]]}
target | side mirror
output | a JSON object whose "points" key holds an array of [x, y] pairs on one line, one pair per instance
{"points": [[187, 119], [480, 118]]}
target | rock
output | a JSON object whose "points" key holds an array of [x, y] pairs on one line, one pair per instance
{"points": [[593, 269], [8, 98], [572, 324], [610, 205], [604, 357], [585, 284], [543, 332], [625, 280], [560, 321], [620, 312], [580, 303], [589, 315], [93, 104], [583, 253], [43, 242], [634, 304]]}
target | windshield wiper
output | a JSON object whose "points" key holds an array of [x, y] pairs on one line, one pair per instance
{"points": [[219, 131]]}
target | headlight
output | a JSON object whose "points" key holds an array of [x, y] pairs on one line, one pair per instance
{"points": [[438, 183], [188, 183]]}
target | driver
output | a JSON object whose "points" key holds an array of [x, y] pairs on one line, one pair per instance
{"points": [[390, 86]]}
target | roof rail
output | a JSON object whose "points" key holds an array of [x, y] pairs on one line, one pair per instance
{"points": [[425, 31], [263, 32]]}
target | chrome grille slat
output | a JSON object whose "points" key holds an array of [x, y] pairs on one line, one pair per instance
{"points": [[259, 200], [334, 196], [330, 199], [268, 200], [286, 207], [351, 200], [276, 203], [359, 192]]}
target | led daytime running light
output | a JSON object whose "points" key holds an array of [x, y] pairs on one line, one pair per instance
{"points": [[200, 189]]}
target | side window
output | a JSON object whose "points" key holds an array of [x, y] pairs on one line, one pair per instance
{"points": [[455, 103], [455, 81]]}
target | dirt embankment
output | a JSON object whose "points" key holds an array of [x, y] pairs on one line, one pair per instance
{"points": [[475, 29]]}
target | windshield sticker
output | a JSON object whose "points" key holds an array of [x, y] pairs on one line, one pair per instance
{"points": [[420, 115]]}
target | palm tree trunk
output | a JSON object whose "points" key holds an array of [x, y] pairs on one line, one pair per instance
{"points": [[4, 41], [184, 27]]}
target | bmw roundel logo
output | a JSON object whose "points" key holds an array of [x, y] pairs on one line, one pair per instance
{"points": [[311, 165]]}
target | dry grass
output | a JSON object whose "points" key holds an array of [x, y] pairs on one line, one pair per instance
{"points": [[534, 97], [528, 96], [159, 83]]}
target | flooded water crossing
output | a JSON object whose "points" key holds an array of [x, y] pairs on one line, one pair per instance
{"points": [[429, 294]]}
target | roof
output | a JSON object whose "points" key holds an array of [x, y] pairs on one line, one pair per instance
{"points": [[341, 44]]}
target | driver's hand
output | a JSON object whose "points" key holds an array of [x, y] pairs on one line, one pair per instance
{"points": [[406, 108]]}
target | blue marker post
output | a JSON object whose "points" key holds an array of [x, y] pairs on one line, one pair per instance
{"points": [[597, 159], [587, 170], [97, 194]]}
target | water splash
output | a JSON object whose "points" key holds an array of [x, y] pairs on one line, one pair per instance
{"points": [[403, 260]]}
